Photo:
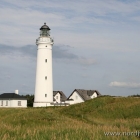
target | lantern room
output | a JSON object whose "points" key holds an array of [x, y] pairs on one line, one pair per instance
{"points": [[44, 31]]}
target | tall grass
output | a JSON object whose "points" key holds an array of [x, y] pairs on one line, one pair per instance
{"points": [[86, 121]]}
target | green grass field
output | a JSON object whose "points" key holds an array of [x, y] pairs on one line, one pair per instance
{"points": [[85, 121]]}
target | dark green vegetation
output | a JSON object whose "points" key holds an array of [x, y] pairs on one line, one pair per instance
{"points": [[85, 121], [30, 100], [137, 95]]}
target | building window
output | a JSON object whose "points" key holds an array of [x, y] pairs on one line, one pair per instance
{"points": [[1, 103], [46, 46], [19, 103], [45, 95], [76, 97], [56, 97], [45, 77], [6, 103], [46, 60]]}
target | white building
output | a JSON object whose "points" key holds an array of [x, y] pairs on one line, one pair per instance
{"points": [[12, 100], [81, 95], [59, 98], [44, 80]]}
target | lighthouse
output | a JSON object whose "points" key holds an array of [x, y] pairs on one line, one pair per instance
{"points": [[44, 80]]}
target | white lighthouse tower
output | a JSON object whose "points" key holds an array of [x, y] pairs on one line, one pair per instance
{"points": [[44, 83]]}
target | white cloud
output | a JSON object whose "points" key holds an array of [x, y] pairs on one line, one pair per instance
{"points": [[125, 84], [105, 31], [8, 76], [20, 20], [136, 18], [77, 61], [86, 61]]}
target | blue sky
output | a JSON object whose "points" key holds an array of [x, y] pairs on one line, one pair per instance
{"points": [[96, 44]]}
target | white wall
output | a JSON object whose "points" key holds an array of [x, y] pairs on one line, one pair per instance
{"points": [[57, 97], [69, 102], [76, 97], [42, 104], [13, 103], [4, 103], [94, 95]]}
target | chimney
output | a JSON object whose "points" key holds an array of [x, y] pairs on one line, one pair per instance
{"points": [[16, 91]]}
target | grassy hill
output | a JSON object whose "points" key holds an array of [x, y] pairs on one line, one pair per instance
{"points": [[92, 120]]}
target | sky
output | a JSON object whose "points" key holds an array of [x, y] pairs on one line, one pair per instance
{"points": [[96, 45]]}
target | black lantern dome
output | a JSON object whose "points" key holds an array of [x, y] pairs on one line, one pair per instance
{"points": [[45, 30]]}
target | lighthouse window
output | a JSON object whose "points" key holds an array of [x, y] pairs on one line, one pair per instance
{"points": [[46, 46], [45, 77], [45, 95], [45, 60]]}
